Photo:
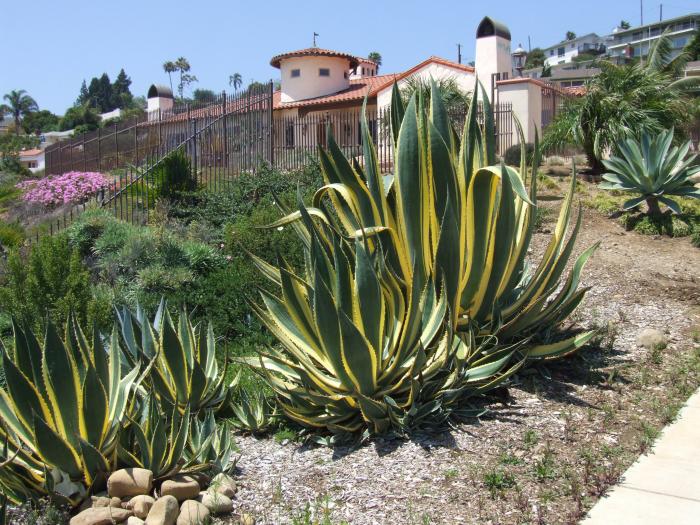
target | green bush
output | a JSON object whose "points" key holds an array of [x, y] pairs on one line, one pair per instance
{"points": [[11, 235], [512, 155], [50, 279], [174, 175]]}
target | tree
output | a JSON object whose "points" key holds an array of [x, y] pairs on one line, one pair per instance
{"points": [[121, 94], [570, 35], [19, 103], [203, 95], [455, 99], [693, 47], [183, 66], [83, 117], [38, 121], [535, 58], [626, 100], [375, 57], [170, 68], [546, 71], [84, 95], [235, 80], [624, 24]]}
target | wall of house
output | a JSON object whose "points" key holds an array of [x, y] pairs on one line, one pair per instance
{"points": [[370, 70], [464, 79], [158, 103], [571, 47], [309, 83], [33, 163], [492, 57], [526, 99]]}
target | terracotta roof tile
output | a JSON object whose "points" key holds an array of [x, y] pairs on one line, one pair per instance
{"points": [[359, 88], [31, 152], [313, 51]]}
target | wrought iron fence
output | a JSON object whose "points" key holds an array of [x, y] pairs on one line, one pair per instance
{"points": [[234, 134]]}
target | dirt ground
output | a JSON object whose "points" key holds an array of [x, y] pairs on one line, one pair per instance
{"points": [[544, 456]]}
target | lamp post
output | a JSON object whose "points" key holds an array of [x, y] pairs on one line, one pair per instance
{"points": [[519, 56]]}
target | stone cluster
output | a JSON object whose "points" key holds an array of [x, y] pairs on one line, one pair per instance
{"points": [[131, 498]]}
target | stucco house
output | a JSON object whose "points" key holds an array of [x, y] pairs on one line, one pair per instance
{"points": [[32, 159]]}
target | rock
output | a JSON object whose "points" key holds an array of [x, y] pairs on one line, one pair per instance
{"points": [[115, 502], [164, 511], [246, 519], [133, 520], [182, 487], [651, 338], [141, 505], [100, 501], [130, 482], [223, 484], [100, 516], [558, 171], [193, 513], [216, 502]]}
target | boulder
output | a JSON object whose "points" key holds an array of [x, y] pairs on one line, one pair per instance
{"points": [[164, 511], [193, 513], [100, 501], [101, 516], [181, 486], [651, 338], [115, 502], [133, 520], [141, 505], [223, 484], [216, 502], [130, 482]]}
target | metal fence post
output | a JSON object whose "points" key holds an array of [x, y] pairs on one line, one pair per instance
{"points": [[270, 129], [99, 149]]}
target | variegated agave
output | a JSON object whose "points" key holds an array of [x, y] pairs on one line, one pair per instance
{"points": [[61, 412], [416, 293], [186, 372]]}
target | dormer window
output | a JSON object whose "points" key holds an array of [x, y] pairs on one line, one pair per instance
{"points": [[296, 73], [324, 72]]}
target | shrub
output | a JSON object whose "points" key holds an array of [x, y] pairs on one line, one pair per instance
{"points": [[51, 279], [72, 187], [512, 155], [173, 175], [11, 235], [695, 237]]}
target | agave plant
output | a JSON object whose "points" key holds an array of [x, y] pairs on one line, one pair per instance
{"points": [[654, 169], [416, 292], [210, 444], [252, 413], [185, 373], [61, 411]]}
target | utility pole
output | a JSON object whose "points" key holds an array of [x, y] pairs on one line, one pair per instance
{"points": [[529, 44], [661, 12], [641, 12], [459, 53]]}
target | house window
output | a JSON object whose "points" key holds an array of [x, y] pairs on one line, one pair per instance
{"points": [[31, 164], [551, 52], [345, 75], [324, 72], [296, 73], [561, 51]]}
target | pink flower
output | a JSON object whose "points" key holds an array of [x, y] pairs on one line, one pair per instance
{"points": [[70, 188]]}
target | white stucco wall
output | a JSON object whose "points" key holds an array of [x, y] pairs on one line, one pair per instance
{"points": [[39, 159], [526, 100], [309, 84], [492, 56], [464, 79], [158, 103]]}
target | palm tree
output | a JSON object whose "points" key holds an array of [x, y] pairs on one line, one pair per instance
{"points": [[170, 68], [183, 66], [570, 35], [19, 103], [235, 80], [625, 100], [375, 57], [455, 99]]}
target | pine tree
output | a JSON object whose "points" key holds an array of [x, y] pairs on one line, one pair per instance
{"points": [[120, 90], [84, 96]]}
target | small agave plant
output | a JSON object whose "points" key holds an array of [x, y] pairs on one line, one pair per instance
{"points": [[653, 169], [61, 412], [416, 293]]}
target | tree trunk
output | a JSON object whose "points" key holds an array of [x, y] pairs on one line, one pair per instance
{"points": [[653, 207]]}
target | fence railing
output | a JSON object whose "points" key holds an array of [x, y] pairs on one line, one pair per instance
{"points": [[222, 140]]}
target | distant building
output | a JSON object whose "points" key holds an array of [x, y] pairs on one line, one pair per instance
{"points": [[6, 124], [635, 41], [32, 159], [565, 51]]}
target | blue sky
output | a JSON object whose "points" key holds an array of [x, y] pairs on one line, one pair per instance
{"points": [[51, 46]]}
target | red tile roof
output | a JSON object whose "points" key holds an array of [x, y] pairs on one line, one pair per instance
{"points": [[575, 91], [314, 51], [31, 152], [427, 61], [359, 88]]}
